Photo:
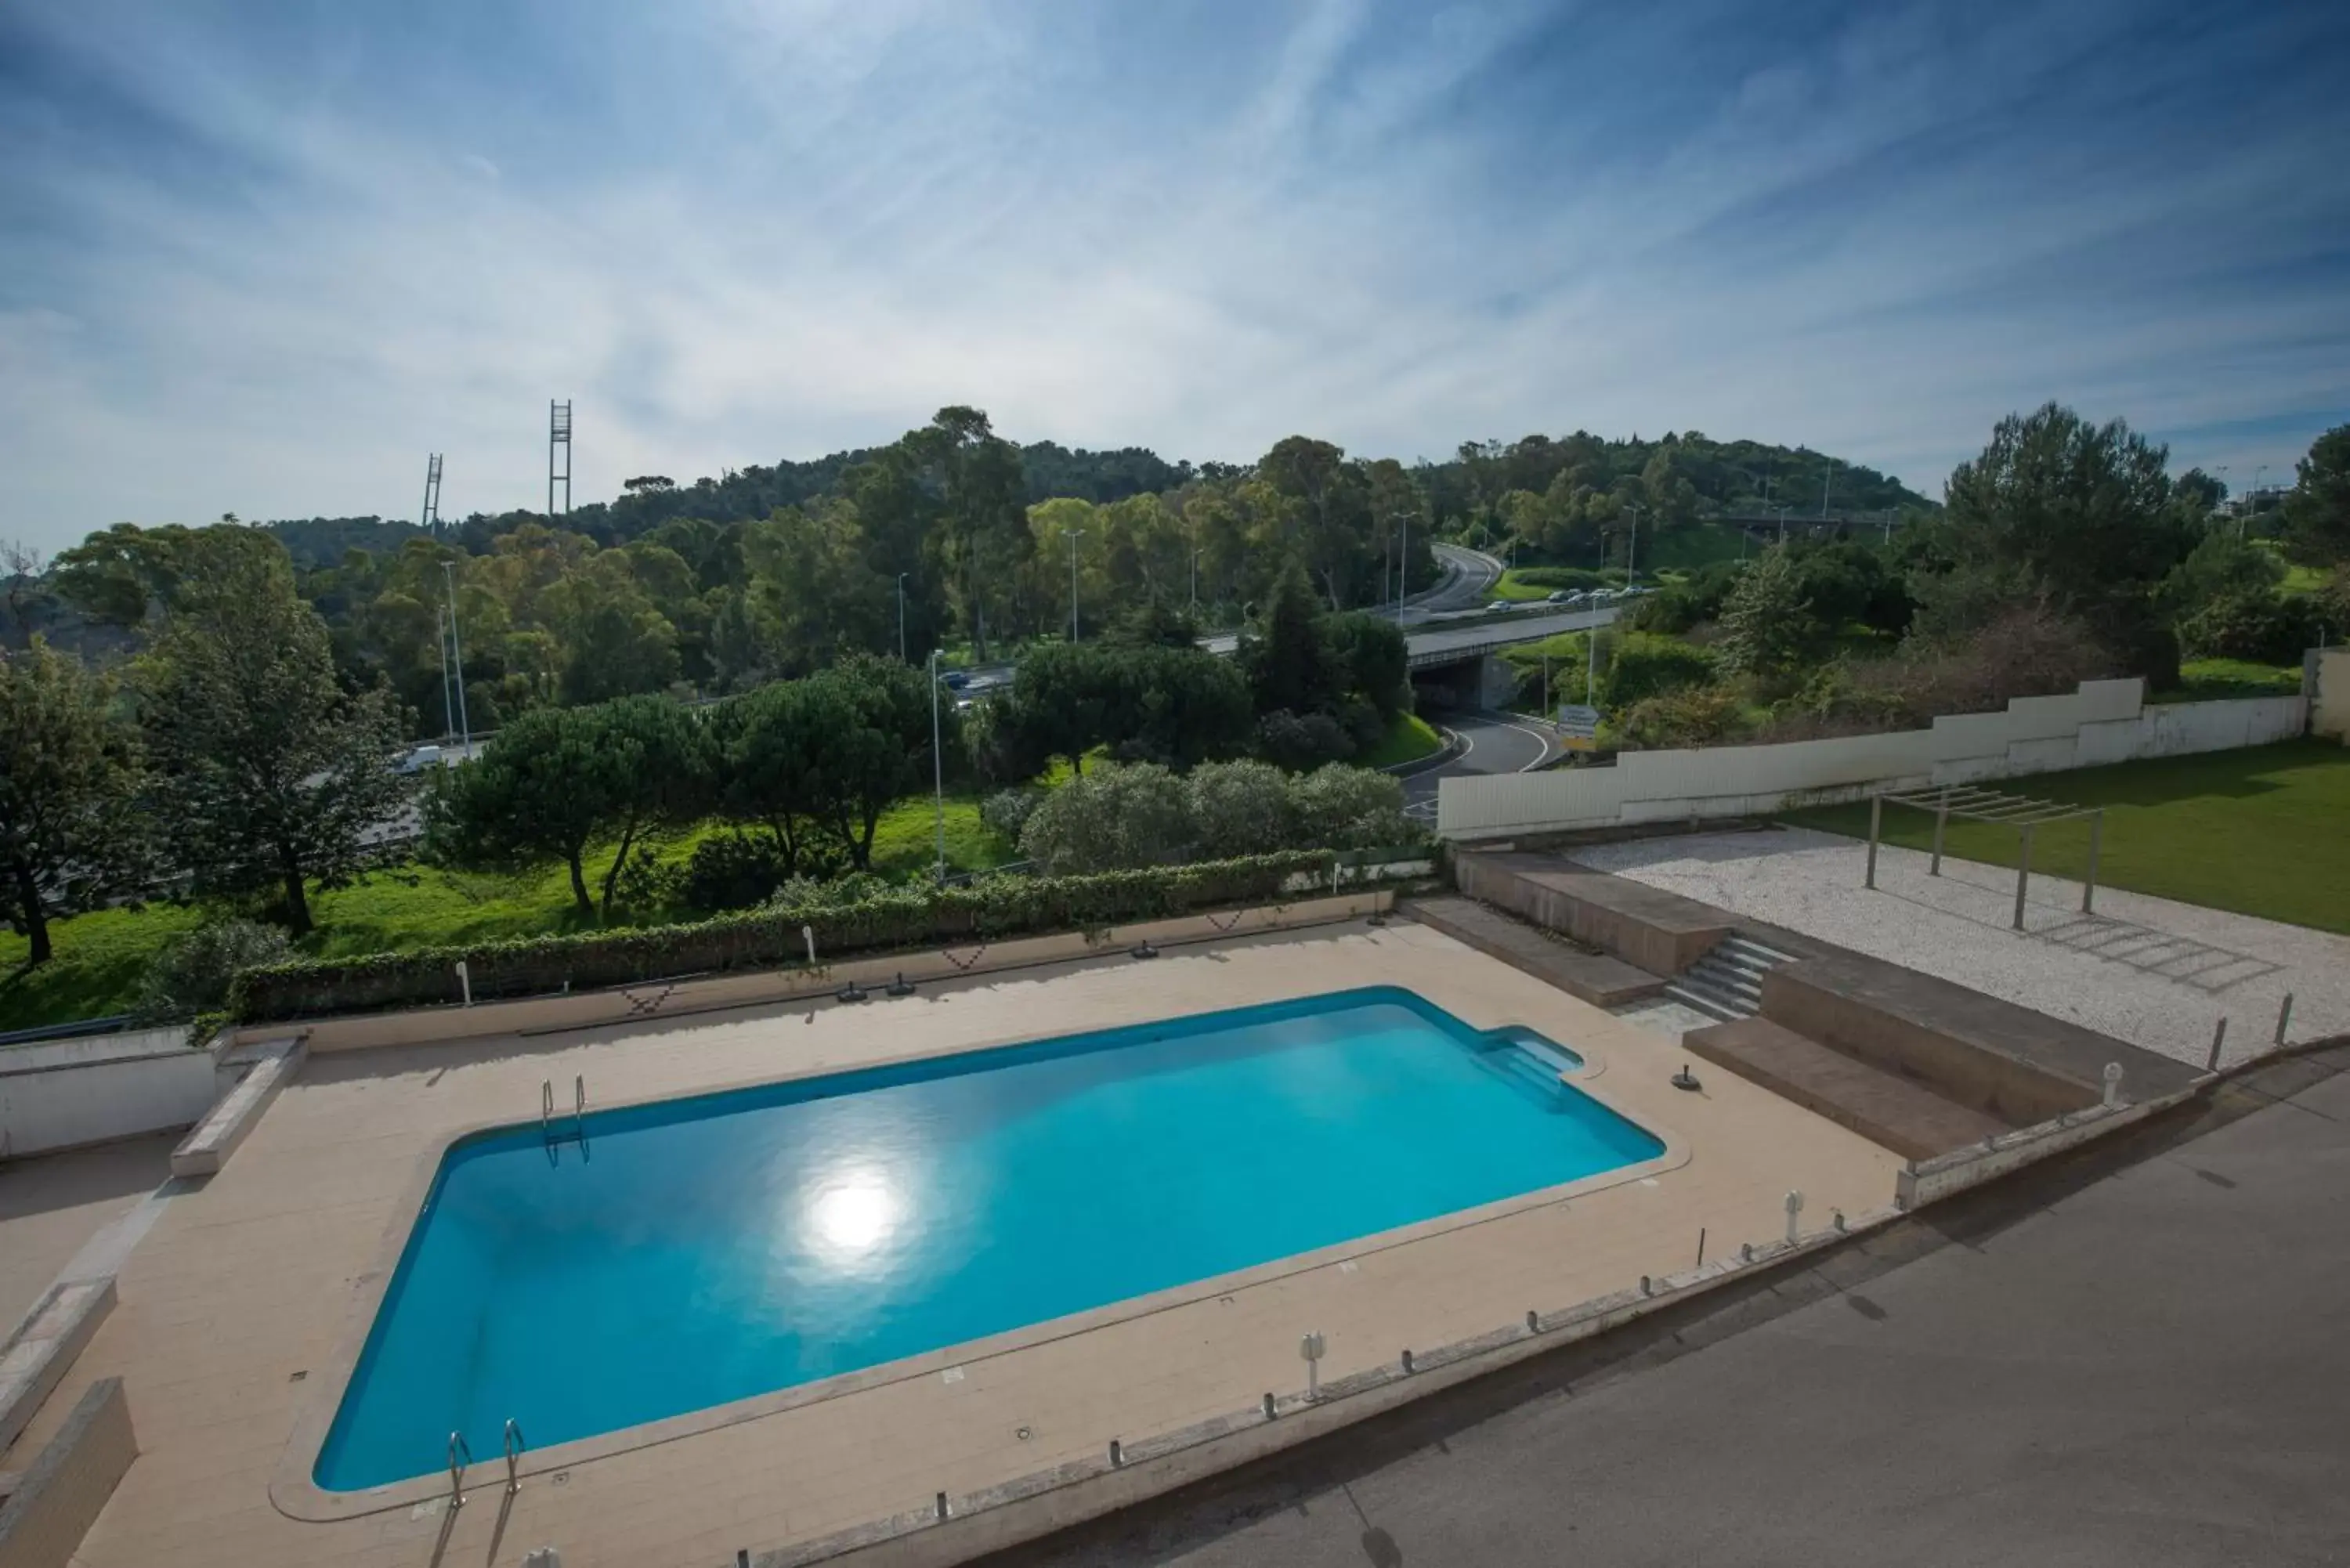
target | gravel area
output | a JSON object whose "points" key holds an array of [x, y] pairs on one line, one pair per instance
{"points": [[2150, 970]]}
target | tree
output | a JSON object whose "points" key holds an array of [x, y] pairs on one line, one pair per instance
{"points": [[768, 747], [21, 589], [272, 772], [875, 715], [1284, 656], [69, 772], [1371, 661], [2088, 511], [1766, 621], [558, 780], [2317, 512]]}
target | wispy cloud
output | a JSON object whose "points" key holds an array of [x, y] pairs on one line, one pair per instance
{"points": [[254, 264]]}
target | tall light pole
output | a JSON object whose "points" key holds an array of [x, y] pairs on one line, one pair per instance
{"points": [[937, 772], [2251, 500], [1071, 534], [448, 701], [1632, 546], [464, 728], [1403, 563], [901, 618]]}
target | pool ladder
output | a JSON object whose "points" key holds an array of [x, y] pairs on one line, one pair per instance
{"points": [[551, 1132], [461, 1460]]}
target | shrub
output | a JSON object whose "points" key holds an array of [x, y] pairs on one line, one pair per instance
{"points": [[1694, 716], [988, 909], [1239, 808], [1114, 816], [1581, 578], [1007, 811], [192, 974], [2257, 624], [2029, 652], [1300, 741], [1646, 666], [1339, 807], [1683, 605], [731, 871]]}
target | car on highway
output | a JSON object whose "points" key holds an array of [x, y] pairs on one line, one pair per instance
{"points": [[1558, 597], [1502, 605], [417, 760], [954, 680]]}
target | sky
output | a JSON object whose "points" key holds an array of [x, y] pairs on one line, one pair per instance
{"points": [[263, 259]]}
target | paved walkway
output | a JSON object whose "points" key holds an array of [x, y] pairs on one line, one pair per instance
{"points": [[2150, 970], [2133, 1358], [52, 1204]]}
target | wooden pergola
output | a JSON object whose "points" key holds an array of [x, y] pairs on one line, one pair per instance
{"points": [[1971, 804]]}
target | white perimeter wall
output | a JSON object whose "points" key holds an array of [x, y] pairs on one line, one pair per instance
{"points": [[2103, 721], [63, 1093]]}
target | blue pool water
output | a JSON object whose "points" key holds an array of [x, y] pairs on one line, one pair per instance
{"points": [[711, 1248]]}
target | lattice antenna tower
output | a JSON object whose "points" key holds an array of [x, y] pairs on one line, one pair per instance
{"points": [[430, 518], [558, 455]]}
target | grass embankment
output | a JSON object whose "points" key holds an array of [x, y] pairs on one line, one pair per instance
{"points": [[1408, 739], [2209, 680], [2262, 831], [101, 956]]}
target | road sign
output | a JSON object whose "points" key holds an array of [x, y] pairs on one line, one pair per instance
{"points": [[1577, 721]]}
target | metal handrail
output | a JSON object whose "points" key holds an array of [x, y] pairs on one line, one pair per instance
{"points": [[547, 1109], [457, 1445], [513, 1455]]}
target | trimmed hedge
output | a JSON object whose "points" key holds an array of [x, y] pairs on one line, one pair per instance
{"points": [[991, 908]]}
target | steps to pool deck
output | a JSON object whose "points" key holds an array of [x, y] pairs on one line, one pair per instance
{"points": [[1594, 978], [1885, 1107], [1727, 982]]}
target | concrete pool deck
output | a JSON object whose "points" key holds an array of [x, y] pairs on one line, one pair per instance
{"points": [[232, 1308]]}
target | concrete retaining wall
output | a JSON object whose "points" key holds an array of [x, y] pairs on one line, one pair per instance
{"points": [[1801, 997], [1655, 930], [2103, 721], [60, 1093], [44, 1520], [2325, 676]]}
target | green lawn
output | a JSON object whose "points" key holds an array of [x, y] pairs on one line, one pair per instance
{"points": [[2263, 831], [1512, 586], [1408, 739], [100, 957], [2208, 679]]}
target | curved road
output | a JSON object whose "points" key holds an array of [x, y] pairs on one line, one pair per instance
{"points": [[1498, 743], [1469, 577]]}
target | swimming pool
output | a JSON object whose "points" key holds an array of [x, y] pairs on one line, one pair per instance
{"points": [[696, 1251]]}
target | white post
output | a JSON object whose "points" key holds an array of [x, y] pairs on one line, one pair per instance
{"points": [[2112, 1084], [1310, 1347], [465, 982], [1795, 1207], [807, 935]]}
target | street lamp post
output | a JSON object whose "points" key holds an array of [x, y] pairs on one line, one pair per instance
{"points": [[937, 772], [901, 618], [457, 649], [1071, 534], [1632, 546]]}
